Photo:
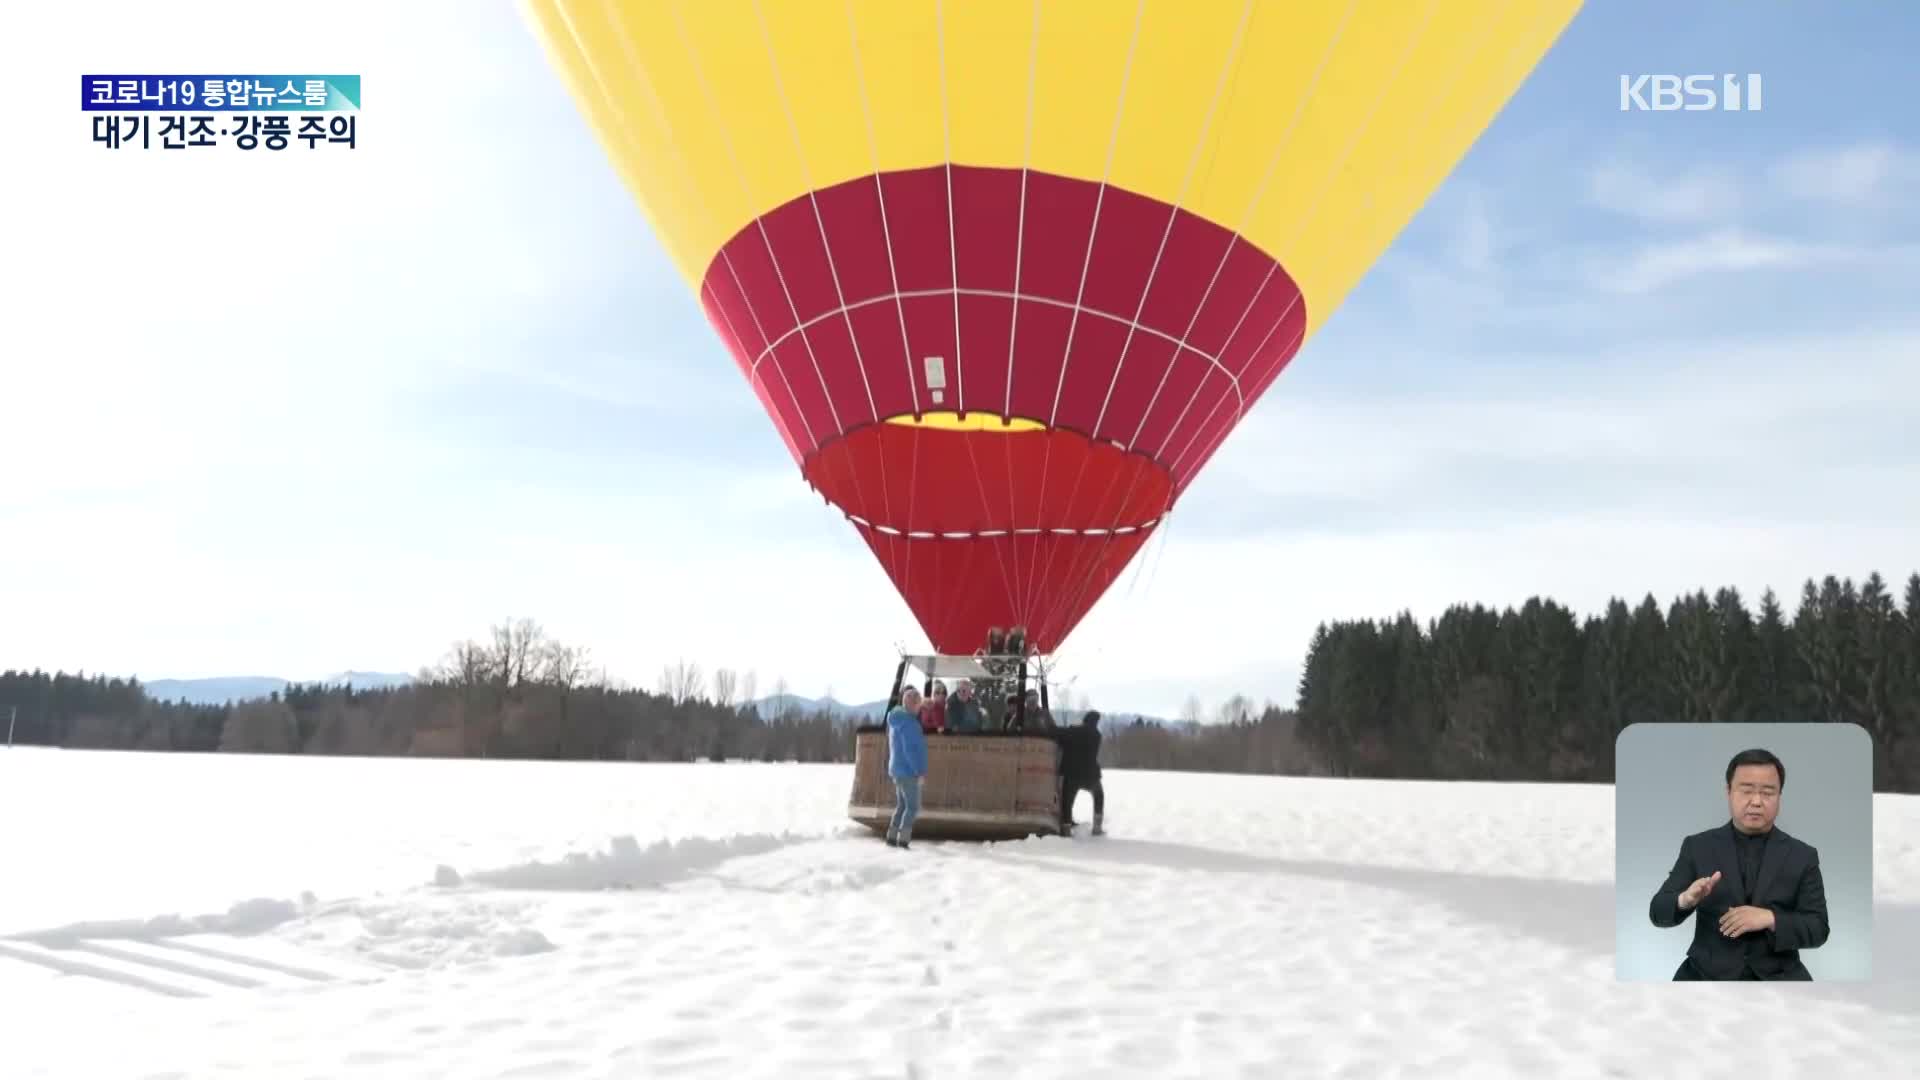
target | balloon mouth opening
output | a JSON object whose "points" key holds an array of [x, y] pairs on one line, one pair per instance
{"points": [[949, 420], [914, 480]]}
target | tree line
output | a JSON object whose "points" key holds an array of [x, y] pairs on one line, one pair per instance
{"points": [[1529, 693], [1538, 693], [518, 693]]}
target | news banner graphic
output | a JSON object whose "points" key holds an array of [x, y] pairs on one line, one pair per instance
{"points": [[177, 112]]}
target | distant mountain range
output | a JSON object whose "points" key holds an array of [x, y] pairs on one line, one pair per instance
{"points": [[774, 704], [225, 689]]}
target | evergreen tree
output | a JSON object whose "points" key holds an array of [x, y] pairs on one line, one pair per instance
{"points": [[1873, 649], [1546, 664], [1411, 709], [1901, 749], [1606, 691], [1651, 696], [1823, 630], [1315, 700], [1775, 666]]}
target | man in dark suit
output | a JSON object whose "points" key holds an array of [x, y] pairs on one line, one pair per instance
{"points": [[1757, 890], [1080, 771]]}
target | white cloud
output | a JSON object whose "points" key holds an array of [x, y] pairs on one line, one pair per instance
{"points": [[1691, 197], [1755, 409], [1730, 250], [1863, 176], [1653, 267], [1867, 175]]}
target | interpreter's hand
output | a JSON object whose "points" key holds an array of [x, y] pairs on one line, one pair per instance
{"points": [[1698, 891], [1745, 920]]}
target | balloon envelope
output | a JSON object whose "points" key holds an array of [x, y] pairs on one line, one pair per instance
{"points": [[1005, 274]]}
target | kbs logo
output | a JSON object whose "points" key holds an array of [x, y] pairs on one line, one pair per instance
{"points": [[1691, 93]]}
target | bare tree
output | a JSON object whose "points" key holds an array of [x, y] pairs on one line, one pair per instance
{"points": [[748, 687], [567, 668], [519, 647], [466, 666], [1237, 709], [1191, 713], [725, 683], [680, 681]]}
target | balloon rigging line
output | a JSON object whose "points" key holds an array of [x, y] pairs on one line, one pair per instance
{"points": [[759, 223], [726, 138], [623, 125], [980, 480], [1300, 227], [1173, 212], [1020, 229], [953, 251], [1086, 263], [1022, 588], [1306, 218], [1193, 163], [813, 201], [833, 270], [1332, 175], [1070, 597], [893, 272], [746, 192], [880, 195], [1099, 203], [1246, 215], [1278, 358], [1271, 368]]}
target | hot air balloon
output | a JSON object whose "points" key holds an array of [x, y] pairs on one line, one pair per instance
{"points": [[1005, 274]]}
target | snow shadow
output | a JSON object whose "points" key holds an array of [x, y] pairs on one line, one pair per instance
{"points": [[1576, 914], [86, 949], [68, 966], [624, 865], [242, 919]]}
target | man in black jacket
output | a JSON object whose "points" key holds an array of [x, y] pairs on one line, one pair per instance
{"points": [[1080, 771], [1758, 891]]}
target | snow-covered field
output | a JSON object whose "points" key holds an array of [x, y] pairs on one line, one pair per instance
{"points": [[223, 916]]}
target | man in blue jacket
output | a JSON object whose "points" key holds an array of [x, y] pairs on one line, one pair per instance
{"points": [[907, 764]]}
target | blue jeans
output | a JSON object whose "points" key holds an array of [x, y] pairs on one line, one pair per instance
{"points": [[906, 807]]}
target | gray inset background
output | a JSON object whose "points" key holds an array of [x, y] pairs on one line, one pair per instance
{"points": [[1670, 782]]}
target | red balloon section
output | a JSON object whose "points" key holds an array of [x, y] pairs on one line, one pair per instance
{"points": [[1005, 417]]}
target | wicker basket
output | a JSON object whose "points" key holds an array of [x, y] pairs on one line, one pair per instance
{"points": [[987, 786]]}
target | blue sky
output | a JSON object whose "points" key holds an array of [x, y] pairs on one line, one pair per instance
{"points": [[297, 413]]}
